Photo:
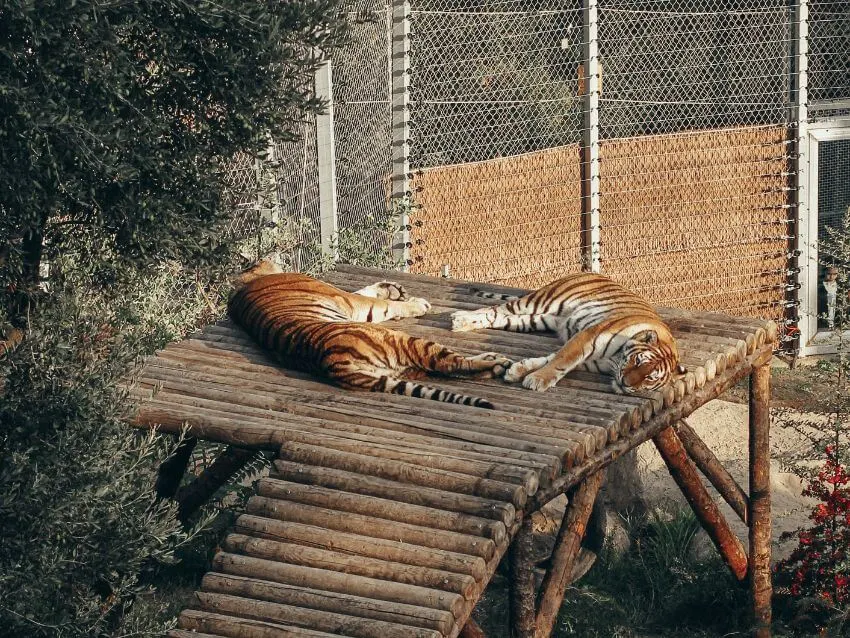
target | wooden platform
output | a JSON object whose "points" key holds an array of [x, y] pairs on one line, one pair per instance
{"points": [[387, 515]]}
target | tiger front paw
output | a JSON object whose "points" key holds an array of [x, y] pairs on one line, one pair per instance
{"points": [[392, 291], [416, 306], [490, 365], [539, 381], [466, 321], [517, 372]]}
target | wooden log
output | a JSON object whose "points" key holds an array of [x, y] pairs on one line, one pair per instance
{"points": [[335, 517], [387, 509], [684, 472], [584, 414], [472, 630], [358, 565], [401, 472], [364, 432], [268, 430], [713, 469], [398, 613], [334, 540], [173, 468], [331, 622], [196, 493], [567, 546], [180, 633], [195, 620], [660, 421], [234, 398], [326, 580], [761, 588], [381, 407], [522, 581], [382, 488], [443, 460]]}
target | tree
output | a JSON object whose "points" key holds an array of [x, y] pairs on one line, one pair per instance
{"points": [[116, 119]]}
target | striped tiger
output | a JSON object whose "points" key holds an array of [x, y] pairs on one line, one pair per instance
{"points": [[605, 328], [315, 327]]}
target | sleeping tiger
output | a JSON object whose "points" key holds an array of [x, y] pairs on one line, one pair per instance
{"points": [[318, 328], [605, 328]]}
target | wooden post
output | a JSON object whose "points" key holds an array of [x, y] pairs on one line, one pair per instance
{"points": [[713, 470], [196, 493], [759, 572], [567, 547], [684, 472], [172, 469], [471, 630], [522, 581], [326, 160]]}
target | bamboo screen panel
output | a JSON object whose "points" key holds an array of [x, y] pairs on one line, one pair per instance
{"points": [[514, 220], [699, 220]]}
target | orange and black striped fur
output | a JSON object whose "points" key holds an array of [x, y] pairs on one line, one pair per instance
{"points": [[318, 328], [605, 328]]}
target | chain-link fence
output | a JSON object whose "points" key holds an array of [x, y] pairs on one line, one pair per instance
{"points": [[657, 141]]}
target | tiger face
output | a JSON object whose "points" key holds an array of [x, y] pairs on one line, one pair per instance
{"points": [[648, 363]]}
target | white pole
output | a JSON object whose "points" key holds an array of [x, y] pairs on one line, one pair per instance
{"points": [[806, 223], [400, 109], [591, 131], [326, 160]]}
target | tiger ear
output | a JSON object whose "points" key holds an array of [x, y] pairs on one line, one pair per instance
{"points": [[647, 336]]}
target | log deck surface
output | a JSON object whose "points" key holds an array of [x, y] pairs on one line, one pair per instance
{"points": [[386, 515]]}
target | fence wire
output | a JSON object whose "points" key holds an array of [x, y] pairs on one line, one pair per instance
{"points": [[697, 145]]}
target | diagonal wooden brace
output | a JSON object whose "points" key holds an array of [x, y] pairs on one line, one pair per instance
{"points": [[567, 547], [684, 472], [196, 493], [713, 470]]}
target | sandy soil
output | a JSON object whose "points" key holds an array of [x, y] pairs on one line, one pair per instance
{"points": [[723, 427]]}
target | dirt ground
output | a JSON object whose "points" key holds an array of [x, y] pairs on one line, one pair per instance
{"points": [[722, 424]]}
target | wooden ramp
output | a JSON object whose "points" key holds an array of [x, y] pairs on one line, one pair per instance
{"points": [[384, 515]]}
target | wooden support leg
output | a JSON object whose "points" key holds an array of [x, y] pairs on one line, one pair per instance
{"points": [[471, 630], [684, 472], [522, 581], [759, 514], [713, 470], [566, 550], [196, 493], [172, 469]]}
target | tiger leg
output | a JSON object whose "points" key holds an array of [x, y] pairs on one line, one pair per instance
{"points": [[500, 318], [359, 377], [579, 349], [521, 369], [384, 290], [377, 310]]}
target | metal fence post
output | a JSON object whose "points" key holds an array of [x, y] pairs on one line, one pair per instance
{"points": [[806, 225], [400, 108], [326, 160], [590, 135]]}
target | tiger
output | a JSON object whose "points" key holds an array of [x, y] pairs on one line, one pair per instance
{"points": [[605, 328], [315, 327]]}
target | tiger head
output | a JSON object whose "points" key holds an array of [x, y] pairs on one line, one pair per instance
{"points": [[649, 362], [255, 269]]}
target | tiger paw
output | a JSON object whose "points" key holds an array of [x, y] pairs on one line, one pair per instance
{"points": [[392, 291], [517, 372], [416, 307], [490, 365], [539, 381], [465, 321]]}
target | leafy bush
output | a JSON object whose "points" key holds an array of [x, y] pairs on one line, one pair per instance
{"points": [[116, 119], [816, 576]]}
